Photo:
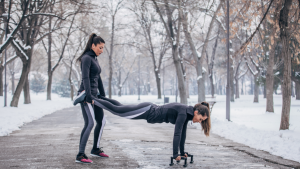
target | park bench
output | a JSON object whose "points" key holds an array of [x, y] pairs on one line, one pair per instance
{"points": [[211, 105]]}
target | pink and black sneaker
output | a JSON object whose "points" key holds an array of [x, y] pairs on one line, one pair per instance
{"points": [[98, 153], [82, 158]]}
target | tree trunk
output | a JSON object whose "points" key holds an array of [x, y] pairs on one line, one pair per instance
{"points": [[187, 87], [270, 75], [119, 84], [211, 65], [180, 77], [200, 78], [264, 90], [26, 90], [232, 80], [49, 84], [110, 57], [292, 87], [242, 89], [252, 86], [201, 93], [158, 83], [25, 71], [237, 87], [297, 88], [286, 82], [72, 91], [212, 87], [256, 89], [12, 83], [1, 80], [70, 81]]}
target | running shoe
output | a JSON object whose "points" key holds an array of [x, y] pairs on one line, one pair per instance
{"points": [[82, 158], [98, 153]]}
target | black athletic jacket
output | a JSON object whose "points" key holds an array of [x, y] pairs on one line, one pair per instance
{"points": [[91, 80], [175, 113]]}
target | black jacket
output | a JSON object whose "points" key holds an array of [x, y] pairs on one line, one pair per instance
{"points": [[91, 80], [175, 113]]}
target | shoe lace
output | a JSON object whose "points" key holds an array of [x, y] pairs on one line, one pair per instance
{"points": [[100, 150], [84, 156]]}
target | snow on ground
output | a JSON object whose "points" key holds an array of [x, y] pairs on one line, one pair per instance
{"points": [[250, 123], [11, 118], [253, 126]]}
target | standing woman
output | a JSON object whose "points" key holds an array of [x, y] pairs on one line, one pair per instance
{"points": [[91, 81]]}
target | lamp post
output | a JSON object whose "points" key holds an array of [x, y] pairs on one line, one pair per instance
{"points": [[228, 72], [5, 86]]}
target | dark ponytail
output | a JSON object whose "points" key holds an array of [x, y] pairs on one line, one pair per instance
{"points": [[203, 109], [93, 39], [205, 104]]}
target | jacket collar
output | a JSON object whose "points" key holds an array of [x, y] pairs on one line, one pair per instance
{"points": [[190, 110], [91, 53]]}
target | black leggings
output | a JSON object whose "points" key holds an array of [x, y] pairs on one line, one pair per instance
{"points": [[95, 112], [139, 111], [90, 114]]}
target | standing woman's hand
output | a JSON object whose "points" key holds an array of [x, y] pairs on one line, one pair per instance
{"points": [[92, 102]]}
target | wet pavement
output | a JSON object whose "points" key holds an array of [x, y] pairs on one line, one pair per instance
{"points": [[52, 142]]}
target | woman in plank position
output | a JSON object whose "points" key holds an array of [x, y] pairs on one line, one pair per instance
{"points": [[175, 113]]}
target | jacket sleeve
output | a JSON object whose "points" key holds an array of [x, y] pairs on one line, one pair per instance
{"points": [[183, 136], [100, 87], [177, 133], [85, 70]]}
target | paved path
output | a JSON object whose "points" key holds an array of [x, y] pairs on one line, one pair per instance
{"points": [[52, 142]]}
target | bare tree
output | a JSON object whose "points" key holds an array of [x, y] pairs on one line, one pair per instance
{"points": [[70, 62], [51, 68], [29, 35], [120, 69], [270, 69], [237, 77], [173, 38], [24, 4], [255, 75], [286, 82], [112, 8], [145, 19]]}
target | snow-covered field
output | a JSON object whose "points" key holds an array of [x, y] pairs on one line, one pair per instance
{"points": [[12, 118], [250, 124]]}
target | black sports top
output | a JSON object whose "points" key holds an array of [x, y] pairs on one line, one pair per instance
{"points": [[175, 113], [91, 80]]}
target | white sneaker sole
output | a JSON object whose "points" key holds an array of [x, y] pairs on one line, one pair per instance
{"points": [[82, 162], [97, 156]]}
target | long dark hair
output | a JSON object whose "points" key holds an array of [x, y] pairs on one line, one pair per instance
{"points": [[93, 39], [203, 109]]}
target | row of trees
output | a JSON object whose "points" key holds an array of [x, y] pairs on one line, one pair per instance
{"points": [[182, 39]]}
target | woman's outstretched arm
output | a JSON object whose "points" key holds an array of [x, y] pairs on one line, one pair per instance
{"points": [[181, 118]]}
